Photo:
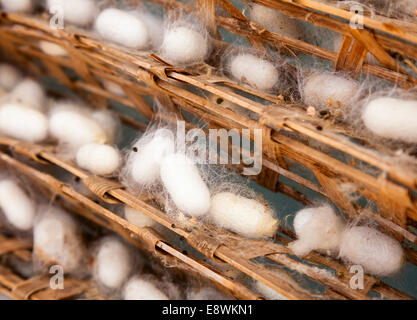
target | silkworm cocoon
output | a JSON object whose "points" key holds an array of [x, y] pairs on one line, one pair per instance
{"points": [[113, 88], [317, 229], [23, 123], [9, 77], [52, 49], [57, 240], [141, 289], [74, 128], [18, 208], [256, 72], [29, 93], [99, 159], [184, 184], [78, 12], [110, 123], [137, 218], [122, 28], [244, 216], [392, 118], [275, 21], [184, 45], [323, 90], [144, 164], [376, 252], [113, 264], [22, 6]]}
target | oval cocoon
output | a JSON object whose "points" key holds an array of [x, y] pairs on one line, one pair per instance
{"points": [[98, 158], [256, 72], [323, 90], [52, 49], [22, 6], [392, 118], [9, 77], [75, 128], [137, 218], [57, 240], [30, 94], [244, 216], [184, 184], [23, 123], [18, 208], [317, 229], [113, 263], [141, 289], [377, 253], [78, 12], [122, 28], [144, 164], [183, 45]]}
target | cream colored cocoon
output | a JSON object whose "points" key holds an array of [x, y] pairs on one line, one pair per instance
{"points": [[392, 118], [23, 123], [182, 179], [52, 49], [57, 239], [377, 253], [30, 94], [247, 217], [113, 263], [256, 72], [122, 28], [142, 289], [16, 205], [9, 77], [137, 218], [99, 159], [317, 229], [324, 90], [78, 12]]}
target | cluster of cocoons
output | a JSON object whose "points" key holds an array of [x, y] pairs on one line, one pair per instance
{"points": [[78, 12], [253, 70], [20, 6], [329, 90], [276, 21], [113, 263], [323, 230], [392, 118], [57, 239], [16, 205], [184, 44]]}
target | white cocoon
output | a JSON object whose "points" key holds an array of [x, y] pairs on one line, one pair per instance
{"points": [[122, 28], [392, 118], [141, 289], [113, 263], [184, 184], [323, 90], [377, 253], [9, 77], [256, 72], [22, 6], [184, 45], [52, 49], [144, 165], [276, 21], [99, 159], [57, 239], [317, 229], [74, 128], [29, 93], [18, 208], [109, 122], [78, 12], [23, 123], [137, 218], [247, 217]]}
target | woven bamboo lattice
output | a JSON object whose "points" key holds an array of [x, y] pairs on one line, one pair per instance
{"points": [[141, 74]]}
